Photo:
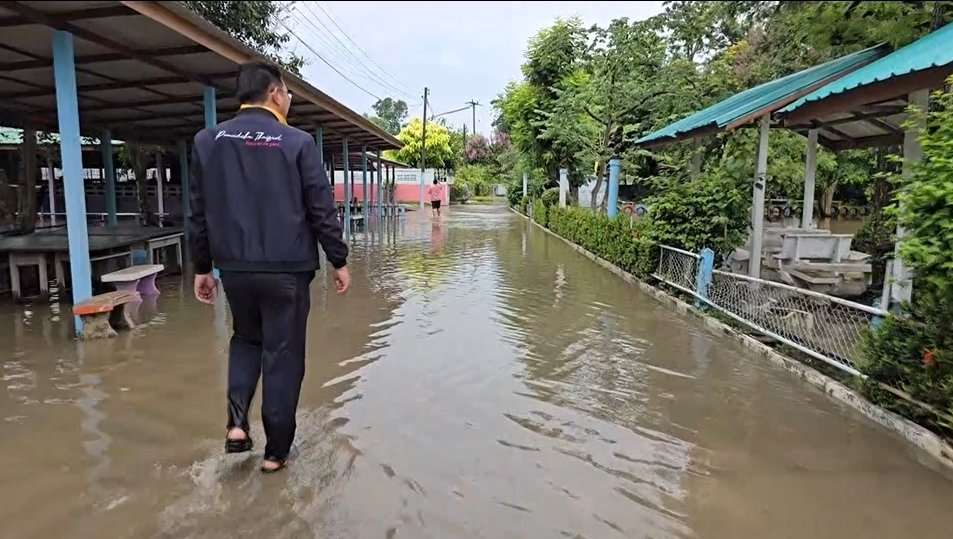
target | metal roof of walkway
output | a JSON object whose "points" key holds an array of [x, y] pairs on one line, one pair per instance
{"points": [[766, 98], [142, 69], [867, 107]]}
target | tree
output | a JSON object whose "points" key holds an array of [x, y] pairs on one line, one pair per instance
{"points": [[390, 114], [255, 24], [437, 144]]}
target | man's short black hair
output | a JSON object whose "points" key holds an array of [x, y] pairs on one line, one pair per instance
{"points": [[255, 80], [435, 181]]}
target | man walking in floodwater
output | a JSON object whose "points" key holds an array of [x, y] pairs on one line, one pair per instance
{"points": [[435, 192], [261, 202]]}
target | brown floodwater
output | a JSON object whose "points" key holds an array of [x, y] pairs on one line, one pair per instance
{"points": [[479, 380]]}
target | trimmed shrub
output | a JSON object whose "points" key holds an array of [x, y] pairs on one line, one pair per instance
{"points": [[620, 240], [540, 212], [550, 197]]}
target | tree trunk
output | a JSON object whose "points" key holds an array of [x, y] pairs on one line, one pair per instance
{"points": [[827, 199], [26, 207], [142, 187], [600, 173]]}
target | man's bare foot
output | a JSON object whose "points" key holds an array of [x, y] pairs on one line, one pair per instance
{"points": [[271, 466], [237, 434]]}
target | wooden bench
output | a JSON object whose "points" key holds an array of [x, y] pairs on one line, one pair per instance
{"points": [[102, 315], [136, 278]]}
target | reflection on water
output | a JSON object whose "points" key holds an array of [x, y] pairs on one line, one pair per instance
{"points": [[479, 380]]}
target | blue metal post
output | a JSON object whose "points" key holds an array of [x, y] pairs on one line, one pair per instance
{"points": [[380, 191], [67, 111], [211, 114], [184, 173], [106, 148], [706, 263], [612, 204], [319, 144], [211, 120], [347, 192], [364, 180]]}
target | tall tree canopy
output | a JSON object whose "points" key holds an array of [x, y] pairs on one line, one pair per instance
{"points": [[439, 153], [255, 24], [389, 114]]}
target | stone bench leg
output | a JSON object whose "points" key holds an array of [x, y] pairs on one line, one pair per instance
{"points": [[128, 286], [147, 286], [97, 326]]}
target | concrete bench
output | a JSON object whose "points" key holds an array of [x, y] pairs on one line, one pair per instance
{"points": [[827, 247], [136, 278], [102, 315]]}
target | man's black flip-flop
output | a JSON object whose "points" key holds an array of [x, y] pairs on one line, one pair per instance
{"points": [[281, 464], [239, 446]]}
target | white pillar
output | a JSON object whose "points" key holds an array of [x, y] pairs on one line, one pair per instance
{"points": [[160, 177], [563, 186], [757, 204], [696, 157], [902, 287], [810, 171], [524, 184], [51, 183]]}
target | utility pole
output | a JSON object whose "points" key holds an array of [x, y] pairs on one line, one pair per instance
{"points": [[473, 105], [464, 132], [423, 150]]}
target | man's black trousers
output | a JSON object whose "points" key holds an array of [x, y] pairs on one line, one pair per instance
{"points": [[269, 323]]}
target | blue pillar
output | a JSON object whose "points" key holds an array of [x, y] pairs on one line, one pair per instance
{"points": [[380, 191], [211, 114], [211, 120], [106, 148], [184, 173], [706, 263], [612, 204], [347, 192], [319, 144], [67, 111], [364, 180]]}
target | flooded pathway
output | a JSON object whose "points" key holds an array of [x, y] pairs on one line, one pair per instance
{"points": [[480, 380]]}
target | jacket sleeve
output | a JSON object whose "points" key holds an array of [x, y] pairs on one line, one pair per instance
{"points": [[198, 226], [319, 206]]}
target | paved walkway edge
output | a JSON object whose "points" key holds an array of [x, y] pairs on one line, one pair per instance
{"points": [[921, 437]]}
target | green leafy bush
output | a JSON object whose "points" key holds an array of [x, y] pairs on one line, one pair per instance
{"points": [[876, 238], [459, 192], [620, 240], [709, 211], [914, 351], [550, 197], [540, 212]]}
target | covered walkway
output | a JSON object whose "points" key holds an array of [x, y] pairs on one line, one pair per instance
{"points": [[150, 72]]}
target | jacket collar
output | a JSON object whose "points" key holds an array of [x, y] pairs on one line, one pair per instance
{"points": [[255, 108]]}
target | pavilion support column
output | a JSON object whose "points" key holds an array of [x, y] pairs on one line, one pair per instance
{"points": [[612, 205], [184, 173], [211, 113], [160, 179], [51, 183], [902, 287], [364, 181], [67, 111], [347, 191], [810, 171], [319, 144], [380, 189], [563, 186], [106, 149], [331, 172], [757, 204], [696, 157]]}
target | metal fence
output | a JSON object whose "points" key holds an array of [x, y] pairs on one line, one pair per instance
{"points": [[825, 327]]}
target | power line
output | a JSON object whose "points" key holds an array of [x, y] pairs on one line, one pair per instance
{"points": [[323, 59], [356, 44], [341, 46]]}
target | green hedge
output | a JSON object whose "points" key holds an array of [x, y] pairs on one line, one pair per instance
{"points": [[540, 212], [621, 240]]}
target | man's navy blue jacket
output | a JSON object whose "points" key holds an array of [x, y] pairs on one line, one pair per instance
{"points": [[261, 200]]}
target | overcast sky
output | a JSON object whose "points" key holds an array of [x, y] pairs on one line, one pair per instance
{"points": [[460, 50]]}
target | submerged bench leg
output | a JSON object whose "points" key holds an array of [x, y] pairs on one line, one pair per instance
{"points": [[127, 286], [147, 286], [121, 317], [97, 326]]}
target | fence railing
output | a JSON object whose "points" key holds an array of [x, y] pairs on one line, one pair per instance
{"points": [[824, 327]]}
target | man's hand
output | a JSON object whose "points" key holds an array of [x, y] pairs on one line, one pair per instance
{"points": [[342, 280], [206, 288]]}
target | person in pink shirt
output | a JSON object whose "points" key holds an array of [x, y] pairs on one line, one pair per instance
{"points": [[435, 192]]}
